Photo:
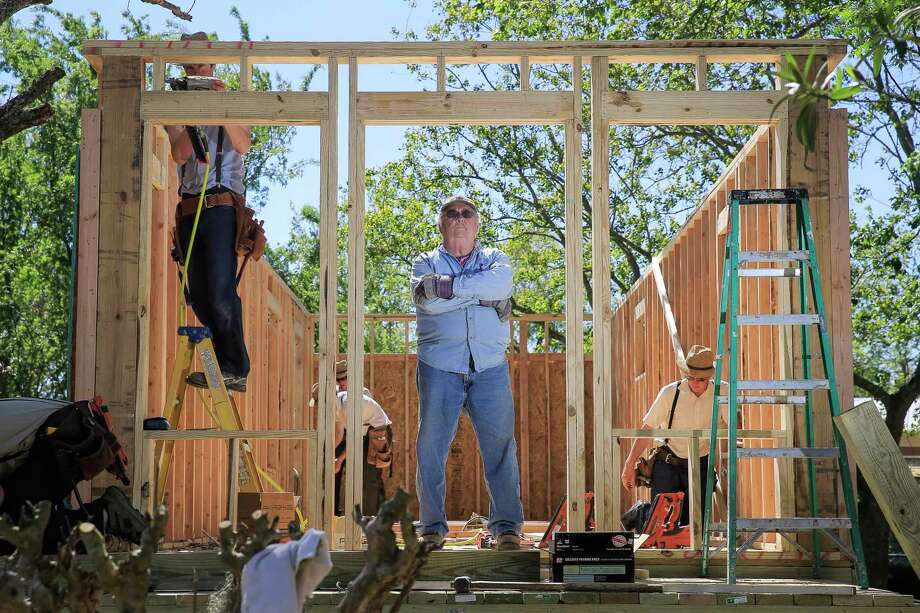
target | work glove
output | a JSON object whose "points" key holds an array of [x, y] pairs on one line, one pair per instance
{"points": [[502, 307], [434, 285]]}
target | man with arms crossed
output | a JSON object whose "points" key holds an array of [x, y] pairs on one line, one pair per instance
{"points": [[462, 294]]}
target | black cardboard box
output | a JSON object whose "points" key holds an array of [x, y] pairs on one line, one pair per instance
{"points": [[593, 557]]}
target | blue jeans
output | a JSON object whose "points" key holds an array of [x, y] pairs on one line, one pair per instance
{"points": [[486, 397], [212, 285]]}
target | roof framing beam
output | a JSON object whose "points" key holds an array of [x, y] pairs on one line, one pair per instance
{"points": [[464, 52]]}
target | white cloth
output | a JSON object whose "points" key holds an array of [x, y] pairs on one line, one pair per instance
{"points": [[20, 419], [282, 576], [373, 414], [691, 412]]}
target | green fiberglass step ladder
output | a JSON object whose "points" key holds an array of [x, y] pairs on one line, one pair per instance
{"points": [[805, 271]]}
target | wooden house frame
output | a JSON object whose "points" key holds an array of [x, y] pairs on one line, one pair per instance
{"points": [[127, 108]]}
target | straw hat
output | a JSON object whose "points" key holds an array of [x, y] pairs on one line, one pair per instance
{"points": [[341, 369], [698, 362]]}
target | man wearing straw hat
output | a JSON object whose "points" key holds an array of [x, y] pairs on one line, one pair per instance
{"points": [[682, 405], [212, 268], [462, 294], [378, 444]]}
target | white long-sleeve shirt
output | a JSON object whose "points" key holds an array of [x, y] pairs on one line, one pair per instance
{"points": [[374, 415]]}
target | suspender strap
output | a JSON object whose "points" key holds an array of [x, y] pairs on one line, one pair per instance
{"points": [[220, 156], [673, 404]]}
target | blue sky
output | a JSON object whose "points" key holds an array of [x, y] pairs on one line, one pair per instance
{"points": [[328, 20]]}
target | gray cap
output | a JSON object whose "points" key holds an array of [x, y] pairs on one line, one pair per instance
{"points": [[457, 199]]}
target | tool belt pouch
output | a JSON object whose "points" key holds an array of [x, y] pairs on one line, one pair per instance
{"points": [[380, 446], [97, 461], [250, 232], [176, 252], [645, 467]]}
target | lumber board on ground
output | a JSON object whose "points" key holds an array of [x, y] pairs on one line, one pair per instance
{"points": [[446, 565], [176, 571], [886, 472], [186, 435], [327, 602], [753, 586]]}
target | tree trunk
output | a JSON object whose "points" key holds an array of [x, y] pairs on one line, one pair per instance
{"points": [[875, 535]]}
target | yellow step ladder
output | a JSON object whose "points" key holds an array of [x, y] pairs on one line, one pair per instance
{"points": [[197, 340]]}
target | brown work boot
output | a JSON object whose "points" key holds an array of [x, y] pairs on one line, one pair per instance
{"points": [[234, 384], [435, 538], [509, 541]]}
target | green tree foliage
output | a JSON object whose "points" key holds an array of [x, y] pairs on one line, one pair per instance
{"points": [[37, 191]]}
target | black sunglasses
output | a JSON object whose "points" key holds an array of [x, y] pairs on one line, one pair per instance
{"points": [[465, 213]]}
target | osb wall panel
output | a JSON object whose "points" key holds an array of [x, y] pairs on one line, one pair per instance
{"points": [[691, 266]]}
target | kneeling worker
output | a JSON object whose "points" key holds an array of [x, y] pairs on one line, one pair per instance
{"points": [[378, 444], [682, 405]]}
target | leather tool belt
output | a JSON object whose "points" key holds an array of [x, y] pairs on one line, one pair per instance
{"points": [[188, 206], [666, 455]]}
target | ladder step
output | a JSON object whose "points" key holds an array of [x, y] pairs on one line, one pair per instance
{"points": [[772, 256], [788, 452], [792, 319], [768, 196], [785, 524], [769, 272], [765, 399], [784, 384]]}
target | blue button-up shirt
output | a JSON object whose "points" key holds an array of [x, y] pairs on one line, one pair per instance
{"points": [[450, 331]]}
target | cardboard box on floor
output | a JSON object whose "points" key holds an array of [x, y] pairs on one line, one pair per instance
{"points": [[280, 504]]}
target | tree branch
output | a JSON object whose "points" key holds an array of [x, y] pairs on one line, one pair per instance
{"points": [[9, 7], [16, 116], [877, 391], [169, 6]]}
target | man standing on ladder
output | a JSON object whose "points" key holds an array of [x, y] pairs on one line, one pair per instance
{"points": [[682, 405], [462, 295], [212, 268]]}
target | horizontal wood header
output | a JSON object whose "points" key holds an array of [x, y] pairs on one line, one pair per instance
{"points": [[241, 108], [691, 107], [464, 108], [463, 52]]}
